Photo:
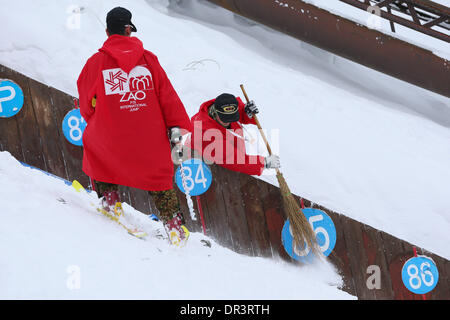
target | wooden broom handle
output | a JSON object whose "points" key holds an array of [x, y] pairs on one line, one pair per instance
{"points": [[257, 122], [260, 128]]}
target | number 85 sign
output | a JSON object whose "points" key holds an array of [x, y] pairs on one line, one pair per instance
{"points": [[73, 127], [324, 229]]}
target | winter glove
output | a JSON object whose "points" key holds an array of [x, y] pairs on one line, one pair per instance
{"points": [[272, 162], [175, 135], [175, 139], [251, 109]]}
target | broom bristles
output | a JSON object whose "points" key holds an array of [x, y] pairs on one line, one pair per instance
{"points": [[301, 229]]}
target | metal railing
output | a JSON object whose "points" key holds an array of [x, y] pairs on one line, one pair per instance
{"points": [[425, 16]]}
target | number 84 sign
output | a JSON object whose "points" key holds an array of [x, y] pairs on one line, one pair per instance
{"points": [[196, 175]]}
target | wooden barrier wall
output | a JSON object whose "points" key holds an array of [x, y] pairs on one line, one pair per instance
{"points": [[240, 212]]}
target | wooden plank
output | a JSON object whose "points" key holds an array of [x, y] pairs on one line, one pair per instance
{"points": [[197, 224], [339, 256], [73, 155], [124, 194], [10, 138], [183, 207], [212, 204], [153, 209], [396, 258], [442, 289], [263, 191], [445, 266], [275, 219], [237, 220], [29, 131], [139, 200], [214, 210], [192, 225], [408, 254], [358, 258], [256, 218], [26, 121], [386, 282], [375, 253], [200, 210], [48, 129]]}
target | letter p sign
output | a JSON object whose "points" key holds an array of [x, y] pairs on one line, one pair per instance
{"points": [[11, 98]]}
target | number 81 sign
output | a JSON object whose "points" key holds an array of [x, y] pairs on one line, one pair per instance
{"points": [[73, 127]]}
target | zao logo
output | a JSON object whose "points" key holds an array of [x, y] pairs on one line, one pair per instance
{"points": [[139, 81], [132, 86]]}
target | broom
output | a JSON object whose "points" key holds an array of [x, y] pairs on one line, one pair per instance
{"points": [[301, 229]]}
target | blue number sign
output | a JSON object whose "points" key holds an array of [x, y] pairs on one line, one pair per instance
{"points": [[11, 98], [324, 229], [420, 275], [73, 127], [197, 176]]}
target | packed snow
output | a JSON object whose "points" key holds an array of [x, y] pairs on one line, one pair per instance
{"points": [[358, 142], [55, 245]]}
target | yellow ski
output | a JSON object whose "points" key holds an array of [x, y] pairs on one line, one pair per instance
{"points": [[114, 217]]}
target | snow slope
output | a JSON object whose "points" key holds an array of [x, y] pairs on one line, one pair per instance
{"points": [[356, 141], [54, 245]]}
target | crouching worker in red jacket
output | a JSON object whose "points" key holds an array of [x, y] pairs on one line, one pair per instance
{"points": [[218, 136], [130, 108]]}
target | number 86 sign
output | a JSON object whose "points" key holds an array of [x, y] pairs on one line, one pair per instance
{"points": [[420, 275], [73, 127], [324, 229]]}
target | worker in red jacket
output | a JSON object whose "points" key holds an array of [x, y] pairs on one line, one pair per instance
{"points": [[218, 135], [132, 111]]}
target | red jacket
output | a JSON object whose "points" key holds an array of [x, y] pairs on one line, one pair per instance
{"points": [[222, 146], [125, 141]]}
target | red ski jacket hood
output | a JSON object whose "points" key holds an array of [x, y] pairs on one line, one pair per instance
{"points": [[126, 51], [232, 145]]}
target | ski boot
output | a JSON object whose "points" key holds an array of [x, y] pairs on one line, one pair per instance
{"points": [[176, 231], [111, 205]]}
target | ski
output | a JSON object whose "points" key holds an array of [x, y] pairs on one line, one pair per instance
{"points": [[132, 230], [172, 235]]}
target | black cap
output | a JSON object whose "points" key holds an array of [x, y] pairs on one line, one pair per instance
{"points": [[227, 107], [117, 18]]}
